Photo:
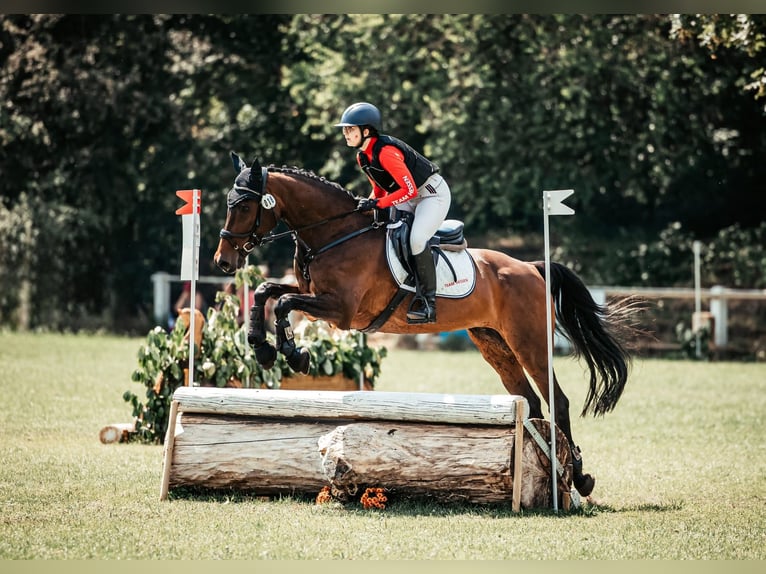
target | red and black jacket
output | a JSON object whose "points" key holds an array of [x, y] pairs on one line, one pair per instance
{"points": [[394, 169]]}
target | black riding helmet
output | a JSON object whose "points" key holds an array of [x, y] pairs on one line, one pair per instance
{"points": [[361, 114]]}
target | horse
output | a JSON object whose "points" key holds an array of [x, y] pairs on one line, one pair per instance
{"points": [[342, 277]]}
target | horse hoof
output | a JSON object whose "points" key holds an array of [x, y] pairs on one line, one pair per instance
{"points": [[584, 484], [266, 354], [300, 361]]}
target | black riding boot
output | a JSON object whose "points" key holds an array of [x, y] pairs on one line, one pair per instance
{"points": [[423, 310]]}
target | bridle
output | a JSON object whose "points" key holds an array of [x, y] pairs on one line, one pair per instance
{"points": [[253, 239], [267, 202]]}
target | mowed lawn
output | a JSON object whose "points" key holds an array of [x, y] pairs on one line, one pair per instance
{"points": [[680, 467]]}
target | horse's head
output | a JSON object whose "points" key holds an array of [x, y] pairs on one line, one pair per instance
{"points": [[244, 227]]}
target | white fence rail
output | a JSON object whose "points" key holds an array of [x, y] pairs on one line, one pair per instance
{"points": [[717, 296], [162, 301]]}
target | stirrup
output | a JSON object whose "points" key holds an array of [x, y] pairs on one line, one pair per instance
{"points": [[426, 314]]}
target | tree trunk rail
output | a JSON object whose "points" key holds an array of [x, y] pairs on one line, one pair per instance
{"points": [[447, 447]]}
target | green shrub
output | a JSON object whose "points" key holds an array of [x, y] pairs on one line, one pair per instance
{"points": [[687, 338], [225, 359]]}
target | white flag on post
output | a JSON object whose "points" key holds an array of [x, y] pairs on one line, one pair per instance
{"points": [[554, 199], [552, 205], [189, 213]]}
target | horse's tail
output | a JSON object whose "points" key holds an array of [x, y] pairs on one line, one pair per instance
{"points": [[586, 324]]}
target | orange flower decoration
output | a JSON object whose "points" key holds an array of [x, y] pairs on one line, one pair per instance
{"points": [[324, 496], [374, 498]]}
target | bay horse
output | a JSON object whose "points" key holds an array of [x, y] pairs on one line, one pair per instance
{"points": [[343, 278]]}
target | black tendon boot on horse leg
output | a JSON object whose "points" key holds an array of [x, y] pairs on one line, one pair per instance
{"points": [[423, 308], [298, 358], [584, 483], [265, 353]]}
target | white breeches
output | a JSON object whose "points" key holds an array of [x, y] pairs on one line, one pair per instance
{"points": [[430, 207]]}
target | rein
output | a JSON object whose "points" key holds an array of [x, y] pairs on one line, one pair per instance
{"points": [[254, 240], [294, 232]]}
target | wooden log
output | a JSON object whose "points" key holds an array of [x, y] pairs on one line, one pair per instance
{"points": [[116, 432], [447, 462], [268, 456], [332, 383], [443, 462], [262, 456], [448, 447], [397, 406]]}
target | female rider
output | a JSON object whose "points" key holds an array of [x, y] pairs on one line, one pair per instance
{"points": [[403, 178]]}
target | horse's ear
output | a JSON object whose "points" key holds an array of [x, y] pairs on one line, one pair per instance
{"points": [[239, 163], [256, 179]]}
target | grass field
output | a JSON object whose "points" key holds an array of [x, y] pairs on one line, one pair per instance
{"points": [[680, 469]]}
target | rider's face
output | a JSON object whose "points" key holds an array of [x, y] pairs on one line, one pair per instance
{"points": [[353, 135]]}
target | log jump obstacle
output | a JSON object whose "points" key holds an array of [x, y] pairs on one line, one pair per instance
{"points": [[472, 448]]}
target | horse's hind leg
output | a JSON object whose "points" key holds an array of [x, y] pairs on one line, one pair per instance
{"points": [[584, 483], [497, 353]]}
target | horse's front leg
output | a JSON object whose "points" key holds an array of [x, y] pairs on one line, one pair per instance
{"points": [[326, 307], [265, 353], [298, 358]]}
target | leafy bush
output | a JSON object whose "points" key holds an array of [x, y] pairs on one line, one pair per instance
{"points": [[225, 359], [687, 338], [737, 257]]}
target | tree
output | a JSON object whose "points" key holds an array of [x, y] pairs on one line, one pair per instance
{"points": [[510, 105], [105, 116], [744, 33], [650, 118]]}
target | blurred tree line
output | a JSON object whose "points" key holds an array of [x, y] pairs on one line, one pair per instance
{"points": [[658, 122]]}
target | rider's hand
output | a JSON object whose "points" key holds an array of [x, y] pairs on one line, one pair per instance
{"points": [[366, 204]]}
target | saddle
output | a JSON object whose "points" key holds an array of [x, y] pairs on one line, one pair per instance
{"points": [[455, 268], [448, 237]]}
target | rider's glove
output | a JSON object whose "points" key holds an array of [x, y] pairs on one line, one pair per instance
{"points": [[366, 204]]}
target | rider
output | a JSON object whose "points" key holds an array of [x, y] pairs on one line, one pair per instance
{"points": [[403, 178]]}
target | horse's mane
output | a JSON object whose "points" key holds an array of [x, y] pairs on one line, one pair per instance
{"points": [[311, 177]]}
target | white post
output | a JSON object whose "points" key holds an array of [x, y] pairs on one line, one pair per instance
{"points": [[697, 296], [194, 276], [246, 296], [552, 206], [549, 332], [190, 258], [161, 281], [720, 310], [361, 363]]}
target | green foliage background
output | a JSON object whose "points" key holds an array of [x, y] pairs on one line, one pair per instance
{"points": [[657, 122]]}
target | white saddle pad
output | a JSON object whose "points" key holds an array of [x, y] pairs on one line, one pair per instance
{"points": [[446, 283]]}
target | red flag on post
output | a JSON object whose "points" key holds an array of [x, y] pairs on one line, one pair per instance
{"points": [[188, 196], [190, 213], [190, 219]]}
